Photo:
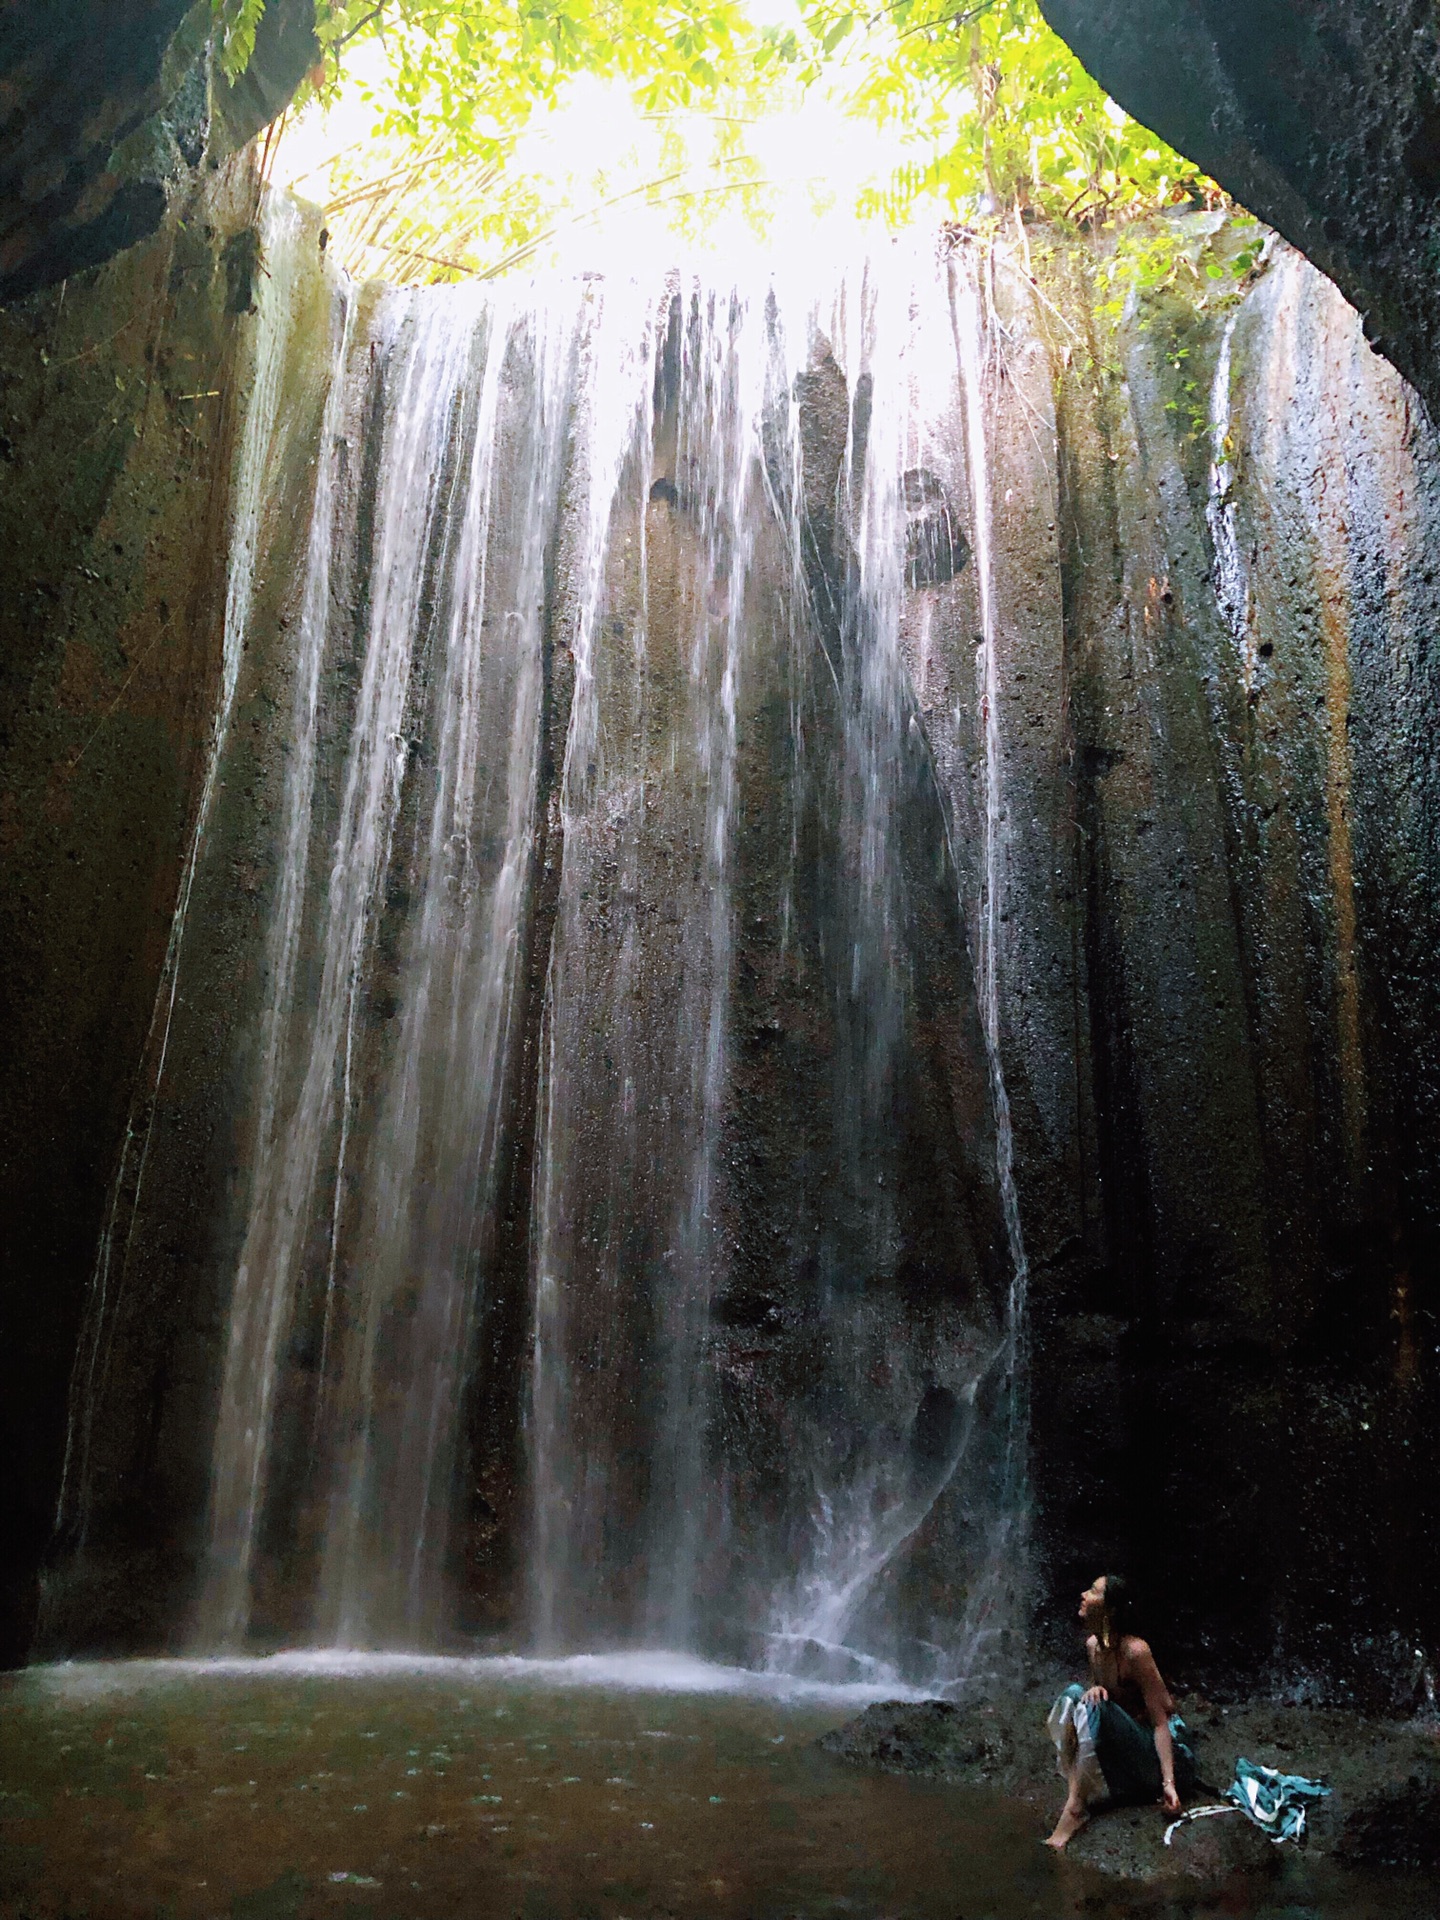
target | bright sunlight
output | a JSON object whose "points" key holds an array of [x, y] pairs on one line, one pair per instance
{"points": [[452, 138]]}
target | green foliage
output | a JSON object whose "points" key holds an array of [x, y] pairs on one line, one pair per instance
{"points": [[477, 69], [235, 24], [1205, 258], [1167, 280], [1014, 122], [993, 116]]}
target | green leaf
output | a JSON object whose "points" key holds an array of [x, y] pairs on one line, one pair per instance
{"points": [[235, 25]]}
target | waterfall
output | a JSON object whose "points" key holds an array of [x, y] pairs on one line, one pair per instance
{"points": [[423, 1237], [917, 357], [994, 1609], [1232, 588], [617, 1069], [395, 1209], [629, 1245], [224, 1612], [705, 821], [432, 353]]}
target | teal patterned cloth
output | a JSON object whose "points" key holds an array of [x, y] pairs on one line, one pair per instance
{"points": [[1276, 1802]]}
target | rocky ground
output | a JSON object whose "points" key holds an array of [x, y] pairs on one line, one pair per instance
{"points": [[1384, 1810]]}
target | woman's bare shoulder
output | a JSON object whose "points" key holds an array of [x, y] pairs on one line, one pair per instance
{"points": [[1134, 1649]]}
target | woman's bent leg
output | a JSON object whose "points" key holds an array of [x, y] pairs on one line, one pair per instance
{"points": [[1072, 1725], [1073, 1815]]}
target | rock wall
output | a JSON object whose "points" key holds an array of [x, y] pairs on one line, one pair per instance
{"points": [[121, 395], [1321, 116], [108, 111], [1227, 901]]}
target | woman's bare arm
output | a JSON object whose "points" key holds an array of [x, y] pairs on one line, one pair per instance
{"points": [[1159, 1706]]}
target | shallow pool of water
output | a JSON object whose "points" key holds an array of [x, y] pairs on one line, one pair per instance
{"points": [[602, 1789]]}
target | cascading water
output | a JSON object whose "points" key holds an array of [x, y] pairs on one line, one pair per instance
{"points": [[713, 781], [428, 1189], [773, 510], [622, 606], [994, 1608], [283, 943], [393, 1212], [1232, 590], [287, 1163], [958, 1441], [639, 969]]}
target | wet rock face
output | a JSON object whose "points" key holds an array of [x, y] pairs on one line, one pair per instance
{"points": [[117, 410], [939, 1739], [79, 81], [108, 112], [1381, 1812], [1234, 1301], [1399, 1827], [1322, 118]]}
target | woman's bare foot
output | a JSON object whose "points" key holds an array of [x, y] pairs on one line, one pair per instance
{"points": [[1067, 1826]]}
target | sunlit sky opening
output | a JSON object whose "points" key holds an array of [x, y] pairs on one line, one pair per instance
{"points": [[597, 183], [452, 145]]}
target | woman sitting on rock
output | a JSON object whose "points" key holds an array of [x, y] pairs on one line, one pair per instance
{"points": [[1116, 1740]]}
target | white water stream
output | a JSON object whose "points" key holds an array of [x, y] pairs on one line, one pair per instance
{"points": [[685, 532]]}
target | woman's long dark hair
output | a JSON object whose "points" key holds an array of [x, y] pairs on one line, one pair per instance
{"points": [[1120, 1608]]}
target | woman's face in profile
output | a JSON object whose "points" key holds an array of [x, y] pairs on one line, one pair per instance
{"points": [[1092, 1602]]}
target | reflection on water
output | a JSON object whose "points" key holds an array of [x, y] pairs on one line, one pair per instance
{"points": [[389, 1786]]}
